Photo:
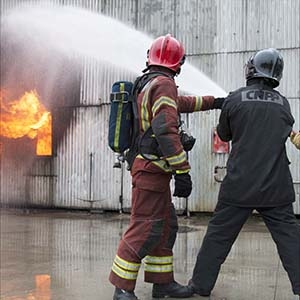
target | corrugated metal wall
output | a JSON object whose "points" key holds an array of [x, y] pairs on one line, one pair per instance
{"points": [[219, 37]]}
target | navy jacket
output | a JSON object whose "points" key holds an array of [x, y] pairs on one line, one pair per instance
{"points": [[258, 121]]}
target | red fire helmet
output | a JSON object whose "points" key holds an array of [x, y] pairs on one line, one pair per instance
{"points": [[167, 52]]}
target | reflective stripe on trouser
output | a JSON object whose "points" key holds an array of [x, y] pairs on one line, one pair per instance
{"points": [[159, 262], [157, 265], [151, 235], [125, 269]]}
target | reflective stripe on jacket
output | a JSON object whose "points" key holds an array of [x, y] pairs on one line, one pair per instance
{"points": [[158, 107]]}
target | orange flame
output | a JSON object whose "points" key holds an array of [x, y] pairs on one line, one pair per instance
{"points": [[27, 117]]}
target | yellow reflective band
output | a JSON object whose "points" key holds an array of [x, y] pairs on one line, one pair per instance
{"points": [[150, 156], [144, 112], [119, 118], [158, 268], [182, 171], [158, 259], [124, 274], [162, 164], [126, 264], [163, 101], [177, 159], [198, 104]]}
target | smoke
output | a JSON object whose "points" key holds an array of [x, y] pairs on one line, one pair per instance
{"points": [[29, 63], [42, 49], [50, 34]]}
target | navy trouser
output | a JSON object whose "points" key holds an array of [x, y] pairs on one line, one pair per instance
{"points": [[222, 231]]}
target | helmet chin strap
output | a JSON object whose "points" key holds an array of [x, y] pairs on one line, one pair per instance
{"points": [[145, 70], [147, 66]]}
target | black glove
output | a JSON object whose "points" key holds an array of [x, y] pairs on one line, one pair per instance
{"points": [[218, 103], [183, 185]]}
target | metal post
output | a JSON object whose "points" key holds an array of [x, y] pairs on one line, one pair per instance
{"points": [[90, 180], [122, 185]]}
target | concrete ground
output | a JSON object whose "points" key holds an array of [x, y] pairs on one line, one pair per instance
{"points": [[66, 255]]}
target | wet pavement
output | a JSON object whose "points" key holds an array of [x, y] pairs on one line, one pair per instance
{"points": [[67, 255]]}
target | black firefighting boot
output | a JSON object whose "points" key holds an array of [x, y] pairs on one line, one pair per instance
{"points": [[124, 295], [172, 289], [198, 291]]}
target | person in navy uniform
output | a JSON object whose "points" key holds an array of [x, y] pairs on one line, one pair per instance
{"points": [[257, 120]]}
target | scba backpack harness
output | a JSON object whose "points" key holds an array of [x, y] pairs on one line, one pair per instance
{"points": [[123, 133]]}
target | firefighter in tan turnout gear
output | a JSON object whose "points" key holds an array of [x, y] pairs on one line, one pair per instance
{"points": [[153, 224]]}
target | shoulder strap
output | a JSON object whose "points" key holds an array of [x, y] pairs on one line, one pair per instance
{"points": [[138, 85], [141, 81]]}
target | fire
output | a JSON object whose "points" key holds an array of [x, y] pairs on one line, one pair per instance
{"points": [[27, 117]]}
